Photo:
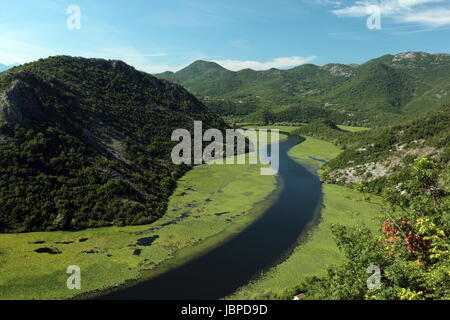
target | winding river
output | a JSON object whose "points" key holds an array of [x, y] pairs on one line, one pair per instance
{"points": [[231, 265]]}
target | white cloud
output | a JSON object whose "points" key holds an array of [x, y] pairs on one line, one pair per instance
{"points": [[325, 2], [426, 12], [23, 46], [359, 10], [410, 3], [433, 18], [283, 62]]}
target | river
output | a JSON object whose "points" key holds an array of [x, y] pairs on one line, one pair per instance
{"points": [[231, 265]]}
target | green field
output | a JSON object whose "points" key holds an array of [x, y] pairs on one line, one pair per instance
{"points": [[317, 248], [106, 258], [312, 149], [341, 205], [210, 204], [283, 129], [288, 129], [353, 129]]}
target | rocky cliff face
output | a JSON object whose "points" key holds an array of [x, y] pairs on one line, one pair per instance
{"points": [[18, 104], [372, 156]]}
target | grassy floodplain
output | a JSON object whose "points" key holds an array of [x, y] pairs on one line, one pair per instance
{"points": [[287, 129], [210, 204], [316, 249], [353, 129], [313, 152]]}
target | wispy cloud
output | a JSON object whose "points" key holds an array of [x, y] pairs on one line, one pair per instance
{"points": [[430, 13], [282, 62], [13, 49], [433, 18], [22, 46], [325, 2]]}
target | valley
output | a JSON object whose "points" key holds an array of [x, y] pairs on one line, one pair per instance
{"points": [[210, 204], [189, 230], [87, 179], [316, 249], [226, 158]]}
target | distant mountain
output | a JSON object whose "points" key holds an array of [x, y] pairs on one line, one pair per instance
{"points": [[210, 79], [86, 143], [205, 78], [383, 90], [4, 67]]}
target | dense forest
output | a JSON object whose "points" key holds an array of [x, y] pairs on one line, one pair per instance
{"points": [[86, 143], [322, 128]]}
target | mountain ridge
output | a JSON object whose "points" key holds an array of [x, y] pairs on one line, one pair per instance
{"points": [[383, 90], [397, 57], [87, 142]]}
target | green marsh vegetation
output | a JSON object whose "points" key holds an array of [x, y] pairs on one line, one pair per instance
{"points": [[209, 205], [77, 163], [352, 129], [314, 152], [95, 153], [403, 230], [316, 249]]}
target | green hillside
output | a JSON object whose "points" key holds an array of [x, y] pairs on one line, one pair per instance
{"points": [[371, 156], [86, 143], [323, 129], [381, 91]]}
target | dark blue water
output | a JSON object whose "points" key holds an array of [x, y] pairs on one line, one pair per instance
{"points": [[224, 269]]}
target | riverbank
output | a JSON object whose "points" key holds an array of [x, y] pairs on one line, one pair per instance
{"points": [[211, 204], [316, 249], [202, 213], [220, 272]]}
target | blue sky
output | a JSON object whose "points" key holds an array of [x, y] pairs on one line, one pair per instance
{"points": [[155, 36]]}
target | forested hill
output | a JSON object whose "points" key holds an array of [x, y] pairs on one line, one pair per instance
{"points": [[324, 129], [371, 156], [86, 143], [381, 91]]}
